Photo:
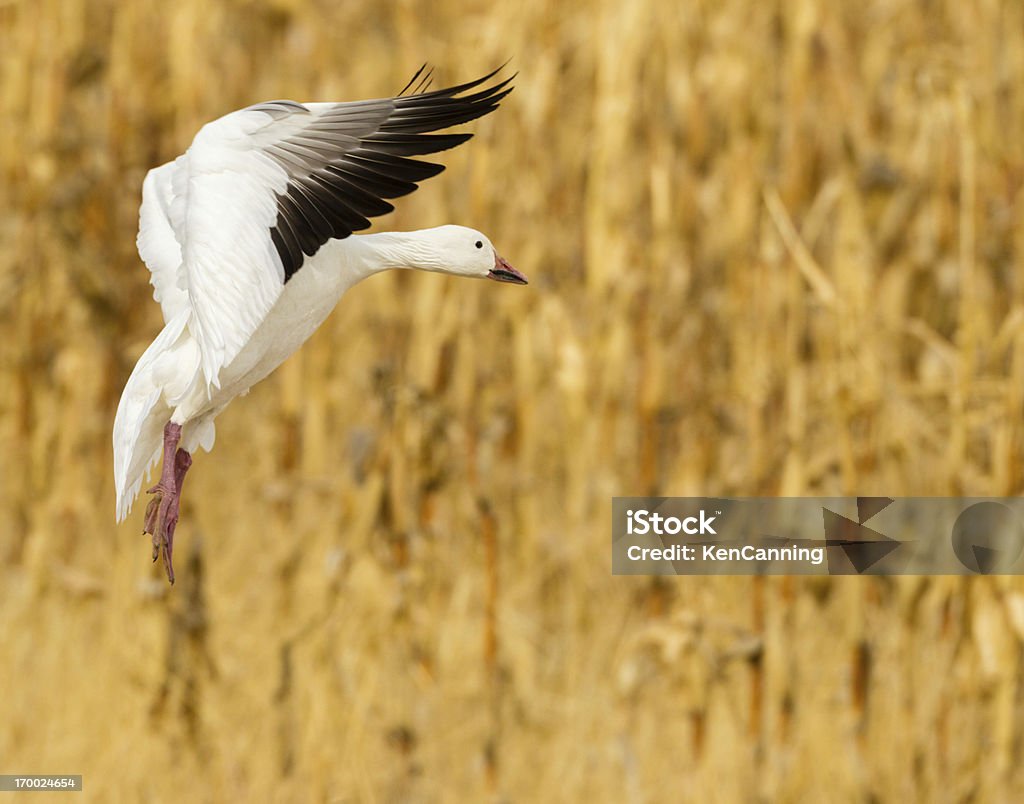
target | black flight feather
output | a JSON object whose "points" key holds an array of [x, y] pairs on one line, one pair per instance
{"points": [[343, 163]]}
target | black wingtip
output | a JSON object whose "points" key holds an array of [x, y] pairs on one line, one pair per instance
{"points": [[458, 89], [413, 80], [432, 111], [420, 81]]}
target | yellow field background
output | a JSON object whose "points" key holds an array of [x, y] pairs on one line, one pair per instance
{"points": [[774, 249]]}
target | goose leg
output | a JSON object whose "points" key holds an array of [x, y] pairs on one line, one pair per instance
{"points": [[166, 499], [182, 462]]}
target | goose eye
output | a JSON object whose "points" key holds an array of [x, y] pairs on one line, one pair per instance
{"points": [[479, 244]]}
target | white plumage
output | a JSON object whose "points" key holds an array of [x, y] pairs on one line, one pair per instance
{"points": [[248, 238]]}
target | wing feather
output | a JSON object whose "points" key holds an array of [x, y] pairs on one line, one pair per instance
{"points": [[262, 189], [158, 243]]}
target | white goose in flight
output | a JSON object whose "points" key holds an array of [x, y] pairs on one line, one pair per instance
{"points": [[249, 239]]}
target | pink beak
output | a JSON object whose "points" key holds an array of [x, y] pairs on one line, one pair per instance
{"points": [[503, 272]]}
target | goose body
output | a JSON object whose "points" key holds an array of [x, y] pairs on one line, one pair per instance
{"points": [[249, 240]]}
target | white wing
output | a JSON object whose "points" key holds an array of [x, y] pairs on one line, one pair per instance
{"points": [[261, 189], [231, 270], [157, 242]]}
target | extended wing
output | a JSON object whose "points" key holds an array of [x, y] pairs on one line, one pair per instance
{"points": [[262, 189]]}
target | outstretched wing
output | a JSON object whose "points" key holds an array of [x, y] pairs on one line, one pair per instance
{"points": [[264, 188]]}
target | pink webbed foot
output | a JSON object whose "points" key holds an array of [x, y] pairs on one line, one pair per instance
{"points": [[182, 462], [162, 512], [158, 524]]}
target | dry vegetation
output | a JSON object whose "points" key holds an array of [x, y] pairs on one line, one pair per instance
{"points": [[775, 249]]}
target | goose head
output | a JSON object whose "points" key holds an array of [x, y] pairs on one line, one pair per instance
{"points": [[465, 252]]}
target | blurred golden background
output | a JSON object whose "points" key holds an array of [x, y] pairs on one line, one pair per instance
{"points": [[774, 249]]}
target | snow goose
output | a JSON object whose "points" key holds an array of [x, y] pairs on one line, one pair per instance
{"points": [[249, 239]]}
